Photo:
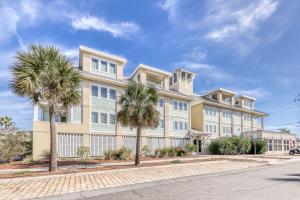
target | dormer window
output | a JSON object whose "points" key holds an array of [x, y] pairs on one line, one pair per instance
{"points": [[170, 81], [183, 75], [139, 78], [104, 66], [95, 64], [112, 68], [175, 78]]}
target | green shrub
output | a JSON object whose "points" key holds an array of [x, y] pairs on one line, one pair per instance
{"points": [[180, 151], [230, 146], [242, 145], [171, 151], [12, 145], [108, 155], [190, 148], [146, 150], [164, 152], [227, 146], [214, 147], [157, 152], [83, 153], [261, 147], [122, 154]]}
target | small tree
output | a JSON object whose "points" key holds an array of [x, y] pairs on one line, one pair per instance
{"points": [[83, 153], [6, 122], [43, 74], [190, 148], [12, 144], [138, 111]]}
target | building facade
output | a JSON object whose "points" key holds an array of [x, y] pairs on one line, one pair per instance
{"points": [[184, 117], [93, 123], [277, 142], [221, 113]]}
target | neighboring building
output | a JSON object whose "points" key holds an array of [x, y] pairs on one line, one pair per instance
{"points": [[93, 123], [277, 142], [221, 113]]}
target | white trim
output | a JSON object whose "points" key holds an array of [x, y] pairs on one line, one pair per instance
{"points": [[104, 54], [153, 69], [247, 97], [107, 92]]}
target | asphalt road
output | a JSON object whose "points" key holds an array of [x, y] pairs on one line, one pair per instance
{"points": [[273, 182]]}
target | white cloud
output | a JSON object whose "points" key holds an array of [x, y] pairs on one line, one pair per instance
{"points": [[170, 6], [237, 24], [8, 22], [259, 93], [197, 54], [120, 29]]}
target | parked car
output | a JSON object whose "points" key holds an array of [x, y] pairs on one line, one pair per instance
{"points": [[294, 151]]}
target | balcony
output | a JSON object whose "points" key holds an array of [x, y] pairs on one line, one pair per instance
{"points": [[154, 80]]}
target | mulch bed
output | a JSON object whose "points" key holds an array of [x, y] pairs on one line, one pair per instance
{"points": [[100, 168]]}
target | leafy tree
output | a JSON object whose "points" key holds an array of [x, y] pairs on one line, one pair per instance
{"points": [[138, 111], [12, 144], [43, 74], [6, 122], [261, 146]]}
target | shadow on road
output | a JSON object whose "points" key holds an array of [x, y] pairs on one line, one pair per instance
{"points": [[287, 179]]}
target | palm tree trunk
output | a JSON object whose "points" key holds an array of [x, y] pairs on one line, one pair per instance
{"points": [[53, 151], [138, 146]]}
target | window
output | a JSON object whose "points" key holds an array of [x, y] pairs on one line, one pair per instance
{"points": [[185, 106], [161, 102], [183, 74], [175, 105], [112, 68], [175, 78], [161, 123], [170, 81], [185, 126], [94, 91], [139, 78], [103, 66], [112, 119], [103, 92], [56, 118], [95, 64], [180, 106], [175, 125], [95, 118], [103, 118], [112, 94], [181, 125]]}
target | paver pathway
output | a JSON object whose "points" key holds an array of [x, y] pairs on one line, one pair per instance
{"points": [[30, 187]]}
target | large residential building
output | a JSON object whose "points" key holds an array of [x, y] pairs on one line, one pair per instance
{"points": [[184, 117], [222, 113], [93, 123]]}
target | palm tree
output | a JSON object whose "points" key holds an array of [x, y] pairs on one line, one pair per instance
{"points": [[6, 122], [138, 111], [43, 74]]}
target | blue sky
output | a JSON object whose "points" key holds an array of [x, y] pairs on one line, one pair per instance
{"points": [[251, 47]]}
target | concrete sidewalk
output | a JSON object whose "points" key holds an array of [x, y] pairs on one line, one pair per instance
{"points": [[32, 187]]}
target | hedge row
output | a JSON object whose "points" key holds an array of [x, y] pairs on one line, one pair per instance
{"points": [[236, 145]]}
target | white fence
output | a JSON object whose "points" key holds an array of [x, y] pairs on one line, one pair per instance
{"points": [[68, 144], [179, 142], [154, 143], [130, 142], [102, 143]]}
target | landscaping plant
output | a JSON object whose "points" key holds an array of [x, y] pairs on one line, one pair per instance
{"points": [[83, 153], [138, 110], [190, 148], [261, 147], [44, 74]]}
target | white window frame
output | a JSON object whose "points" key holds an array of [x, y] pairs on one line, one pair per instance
{"points": [[108, 71]]}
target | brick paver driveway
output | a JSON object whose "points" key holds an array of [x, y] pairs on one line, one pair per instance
{"points": [[24, 188]]}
